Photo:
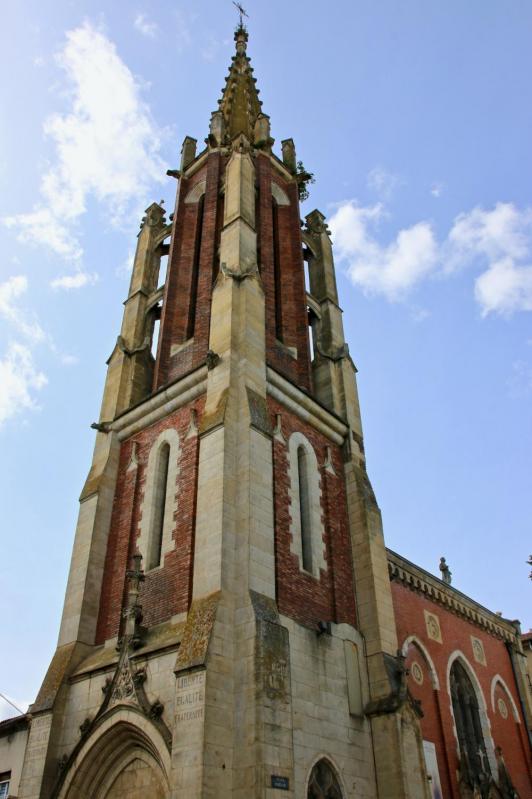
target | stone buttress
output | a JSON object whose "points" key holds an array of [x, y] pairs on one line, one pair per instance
{"points": [[228, 628]]}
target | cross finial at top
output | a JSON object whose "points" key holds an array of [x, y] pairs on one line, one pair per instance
{"points": [[242, 12]]}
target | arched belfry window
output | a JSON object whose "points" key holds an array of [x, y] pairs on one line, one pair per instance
{"points": [[304, 509], [195, 268], [278, 289], [323, 782], [306, 514], [474, 763], [159, 504]]}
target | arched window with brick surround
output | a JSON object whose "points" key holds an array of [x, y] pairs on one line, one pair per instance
{"points": [[306, 522], [159, 503], [159, 500], [474, 762]]}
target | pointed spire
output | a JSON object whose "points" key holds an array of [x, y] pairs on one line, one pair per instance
{"points": [[240, 104]]}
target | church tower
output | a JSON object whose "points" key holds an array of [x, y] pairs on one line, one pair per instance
{"points": [[228, 628]]}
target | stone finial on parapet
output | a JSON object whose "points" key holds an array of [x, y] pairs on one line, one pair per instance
{"points": [[188, 151], [261, 134], [316, 224], [217, 129], [289, 155]]}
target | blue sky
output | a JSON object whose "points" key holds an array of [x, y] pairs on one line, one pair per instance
{"points": [[415, 118]]}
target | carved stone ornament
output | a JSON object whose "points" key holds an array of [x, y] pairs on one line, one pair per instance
{"points": [[417, 672], [432, 623], [502, 708], [478, 650]]}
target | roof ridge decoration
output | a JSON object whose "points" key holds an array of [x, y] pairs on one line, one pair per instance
{"points": [[239, 109]]}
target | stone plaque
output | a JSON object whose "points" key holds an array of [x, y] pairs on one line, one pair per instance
{"points": [[432, 624], [478, 650]]}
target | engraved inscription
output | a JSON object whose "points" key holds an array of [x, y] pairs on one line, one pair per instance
{"points": [[190, 697]]}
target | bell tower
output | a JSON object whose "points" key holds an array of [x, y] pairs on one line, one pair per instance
{"points": [[228, 628]]}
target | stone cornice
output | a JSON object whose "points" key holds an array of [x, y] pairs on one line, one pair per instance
{"points": [[422, 582]]}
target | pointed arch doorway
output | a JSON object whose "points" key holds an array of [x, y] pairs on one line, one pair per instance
{"points": [[121, 759]]}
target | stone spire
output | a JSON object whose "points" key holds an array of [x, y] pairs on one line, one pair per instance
{"points": [[240, 107]]}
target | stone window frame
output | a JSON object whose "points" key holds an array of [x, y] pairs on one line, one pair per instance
{"points": [[431, 668], [485, 722], [170, 437], [334, 768], [317, 528], [498, 680]]}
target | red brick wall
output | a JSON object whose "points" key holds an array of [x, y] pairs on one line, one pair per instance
{"points": [[176, 303], [456, 635], [299, 595], [294, 327], [165, 591]]}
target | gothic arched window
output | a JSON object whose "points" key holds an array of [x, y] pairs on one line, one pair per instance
{"points": [[278, 289], [474, 765], [160, 494], [159, 502], [306, 512], [195, 268], [304, 509], [323, 783]]}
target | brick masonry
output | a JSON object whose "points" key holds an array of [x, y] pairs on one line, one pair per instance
{"points": [[166, 591], [437, 723], [299, 595]]}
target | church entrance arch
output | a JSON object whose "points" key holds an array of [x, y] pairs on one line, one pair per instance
{"points": [[122, 758]]}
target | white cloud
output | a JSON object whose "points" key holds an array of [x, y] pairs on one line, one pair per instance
{"points": [[69, 360], [502, 232], [106, 145], [10, 310], [501, 240], [393, 269], [382, 182], [145, 26], [20, 380], [74, 281], [496, 241], [520, 381], [436, 189], [183, 35]]}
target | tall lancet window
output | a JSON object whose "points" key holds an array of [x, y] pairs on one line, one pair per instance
{"points": [[306, 512], [159, 503], [195, 268], [304, 509], [474, 764], [277, 272], [159, 506]]}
